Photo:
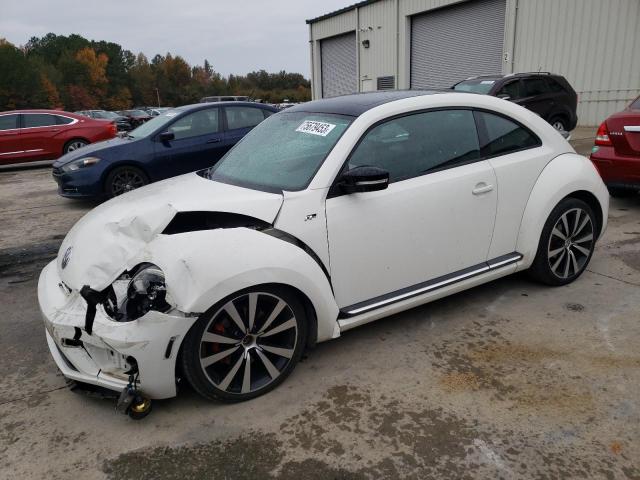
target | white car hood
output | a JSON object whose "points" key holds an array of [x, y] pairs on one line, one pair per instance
{"points": [[114, 236]]}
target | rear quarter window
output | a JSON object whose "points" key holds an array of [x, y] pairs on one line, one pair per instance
{"points": [[8, 122], [503, 136]]}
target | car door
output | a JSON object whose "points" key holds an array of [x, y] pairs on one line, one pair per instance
{"points": [[537, 96], [435, 218], [10, 145], [37, 135], [198, 143], [240, 120]]}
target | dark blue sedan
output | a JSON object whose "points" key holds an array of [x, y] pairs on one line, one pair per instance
{"points": [[179, 141]]}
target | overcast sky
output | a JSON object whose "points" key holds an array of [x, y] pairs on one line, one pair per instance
{"points": [[236, 36]]}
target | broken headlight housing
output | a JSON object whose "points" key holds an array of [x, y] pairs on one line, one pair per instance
{"points": [[135, 294]]}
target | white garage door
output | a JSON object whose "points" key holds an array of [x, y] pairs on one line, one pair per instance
{"points": [[454, 43], [339, 70]]}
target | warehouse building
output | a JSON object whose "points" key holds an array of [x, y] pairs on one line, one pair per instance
{"points": [[389, 44]]}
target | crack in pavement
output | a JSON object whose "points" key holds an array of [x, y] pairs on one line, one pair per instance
{"points": [[613, 278]]}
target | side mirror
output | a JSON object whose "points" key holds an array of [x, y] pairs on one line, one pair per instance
{"points": [[364, 179], [166, 136], [504, 96]]}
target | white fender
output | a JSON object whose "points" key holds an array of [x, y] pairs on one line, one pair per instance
{"points": [[564, 175], [213, 264]]}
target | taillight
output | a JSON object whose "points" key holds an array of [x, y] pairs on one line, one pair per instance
{"points": [[602, 136], [113, 129]]}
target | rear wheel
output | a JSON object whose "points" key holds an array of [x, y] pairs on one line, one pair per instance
{"points": [[74, 144], [560, 124], [246, 345], [124, 179], [566, 244]]}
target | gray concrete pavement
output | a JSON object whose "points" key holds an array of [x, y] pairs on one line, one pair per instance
{"points": [[508, 380]]}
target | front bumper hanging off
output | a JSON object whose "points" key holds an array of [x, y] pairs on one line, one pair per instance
{"points": [[104, 357]]}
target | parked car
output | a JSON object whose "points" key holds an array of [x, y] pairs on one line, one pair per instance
{"points": [[327, 216], [122, 123], [547, 94], [224, 98], [616, 153], [154, 112], [135, 117], [34, 135], [181, 140]]}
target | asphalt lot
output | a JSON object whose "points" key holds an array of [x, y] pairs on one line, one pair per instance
{"points": [[508, 380]]}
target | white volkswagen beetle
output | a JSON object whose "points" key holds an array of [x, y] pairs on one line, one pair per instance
{"points": [[327, 216]]}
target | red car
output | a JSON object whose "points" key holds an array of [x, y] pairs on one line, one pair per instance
{"points": [[33, 135], [616, 153]]}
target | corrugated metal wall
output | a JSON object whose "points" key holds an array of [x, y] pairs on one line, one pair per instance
{"points": [[339, 65], [595, 44]]}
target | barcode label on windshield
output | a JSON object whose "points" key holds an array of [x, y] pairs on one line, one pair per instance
{"points": [[315, 128]]}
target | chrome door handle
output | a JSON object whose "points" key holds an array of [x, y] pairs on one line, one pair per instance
{"points": [[482, 188]]}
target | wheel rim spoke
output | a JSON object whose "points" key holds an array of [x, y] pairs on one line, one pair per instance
{"points": [[582, 225], [246, 378], [210, 360], [566, 265], [575, 224], [215, 338], [271, 368], [232, 311], [558, 233], [565, 223], [553, 253], [584, 239], [276, 311], [558, 261], [253, 302], [232, 373], [283, 352], [291, 323]]}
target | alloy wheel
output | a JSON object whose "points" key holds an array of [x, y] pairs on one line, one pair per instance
{"points": [[76, 144], [571, 243], [126, 180], [248, 343]]}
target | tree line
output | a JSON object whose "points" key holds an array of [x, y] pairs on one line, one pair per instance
{"points": [[73, 73]]}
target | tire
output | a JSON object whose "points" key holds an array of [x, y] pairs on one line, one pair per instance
{"points": [[559, 123], [561, 258], [219, 370], [74, 144], [124, 179], [617, 192]]}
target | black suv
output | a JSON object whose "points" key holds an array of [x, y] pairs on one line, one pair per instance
{"points": [[547, 94]]}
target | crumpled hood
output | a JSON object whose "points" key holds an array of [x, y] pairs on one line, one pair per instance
{"points": [[114, 236]]}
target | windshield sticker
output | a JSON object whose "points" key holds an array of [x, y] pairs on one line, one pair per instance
{"points": [[488, 82], [315, 128]]}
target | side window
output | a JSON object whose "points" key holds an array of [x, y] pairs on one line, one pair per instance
{"points": [[535, 86], [267, 113], [417, 144], [38, 120], [8, 122], [505, 136], [202, 122], [555, 86], [243, 117], [512, 89], [63, 120]]}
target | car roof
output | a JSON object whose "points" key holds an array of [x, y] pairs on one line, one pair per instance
{"points": [[510, 75], [358, 103], [39, 110], [196, 106]]}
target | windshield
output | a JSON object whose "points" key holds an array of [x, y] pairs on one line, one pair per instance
{"points": [[105, 114], [475, 86], [152, 125], [282, 153]]}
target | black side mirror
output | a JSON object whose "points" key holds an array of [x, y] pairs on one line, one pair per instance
{"points": [[364, 179], [166, 136]]}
